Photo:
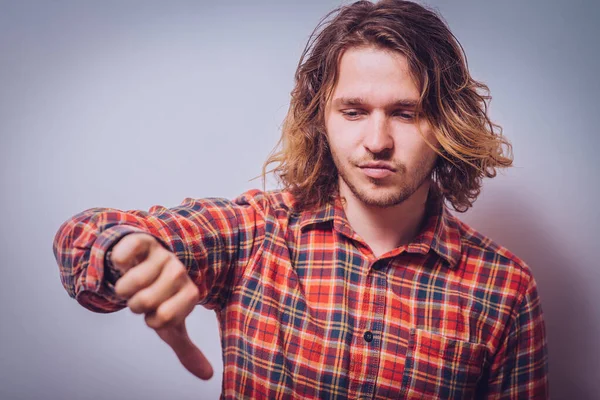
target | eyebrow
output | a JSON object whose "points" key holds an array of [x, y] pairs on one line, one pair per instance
{"points": [[359, 101]]}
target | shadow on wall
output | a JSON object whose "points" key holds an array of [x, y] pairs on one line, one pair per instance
{"points": [[572, 330]]}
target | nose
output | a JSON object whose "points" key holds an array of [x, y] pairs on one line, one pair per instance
{"points": [[378, 137]]}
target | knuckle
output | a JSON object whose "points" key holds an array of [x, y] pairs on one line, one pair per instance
{"points": [[120, 289], [134, 307], [158, 257], [118, 255], [164, 316], [128, 284], [147, 303], [158, 252], [127, 248], [175, 270], [152, 322], [141, 303], [132, 279], [178, 272], [164, 256], [133, 241]]}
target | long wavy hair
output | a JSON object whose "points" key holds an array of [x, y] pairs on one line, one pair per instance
{"points": [[455, 105]]}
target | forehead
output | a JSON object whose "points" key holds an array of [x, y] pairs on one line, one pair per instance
{"points": [[376, 75]]}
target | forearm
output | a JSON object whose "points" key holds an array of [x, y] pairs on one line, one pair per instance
{"points": [[209, 236], [81, 246]]}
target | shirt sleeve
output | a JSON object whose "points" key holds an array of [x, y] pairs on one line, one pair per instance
{"points": [[213, 238], [520, 367]]}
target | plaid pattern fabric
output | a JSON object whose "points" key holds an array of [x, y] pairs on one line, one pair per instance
{"points": [[307, 311]]}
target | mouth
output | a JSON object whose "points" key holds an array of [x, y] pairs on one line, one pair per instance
{"points": [[377, 170]]}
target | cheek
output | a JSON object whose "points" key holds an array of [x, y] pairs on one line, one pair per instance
{"points": [[429, 135], [412, 148], [342, 136]]}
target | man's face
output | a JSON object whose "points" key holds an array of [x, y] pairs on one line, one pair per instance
{"points": [[381, 157]]}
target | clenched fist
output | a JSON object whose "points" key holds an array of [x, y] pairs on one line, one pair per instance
{"points": [[156, 283]]}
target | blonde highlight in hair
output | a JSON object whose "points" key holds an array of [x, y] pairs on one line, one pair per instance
{"points": [[455, 105]]}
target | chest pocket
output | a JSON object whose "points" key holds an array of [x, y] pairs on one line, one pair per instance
{"points": [[438, 367]]}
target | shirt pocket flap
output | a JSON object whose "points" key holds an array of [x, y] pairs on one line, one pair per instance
{"points": [[441, 367]]}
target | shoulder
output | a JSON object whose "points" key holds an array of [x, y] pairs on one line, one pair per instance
{"points": [[493, 265], [275, 202]]}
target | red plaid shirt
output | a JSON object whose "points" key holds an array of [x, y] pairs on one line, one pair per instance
{"points": [[307, 311]]}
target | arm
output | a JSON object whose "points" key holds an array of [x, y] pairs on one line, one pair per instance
{"points": [[211, 237], [520, 368]]}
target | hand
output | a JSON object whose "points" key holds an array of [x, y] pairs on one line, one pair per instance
{"points": [[156, 284]]}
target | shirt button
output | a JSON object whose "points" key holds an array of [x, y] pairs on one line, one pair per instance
{"points": [[368, 336]]}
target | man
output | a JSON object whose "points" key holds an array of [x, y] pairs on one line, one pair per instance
{"points": [[355, 280]]}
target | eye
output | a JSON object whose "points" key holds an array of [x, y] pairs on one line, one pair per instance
{"points": [[352, 114], [406, 115]]}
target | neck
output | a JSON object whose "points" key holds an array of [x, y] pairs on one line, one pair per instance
{"points": [[385, 229]]}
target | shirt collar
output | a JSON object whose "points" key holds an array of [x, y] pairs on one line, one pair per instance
{"points": [[439, 231]]}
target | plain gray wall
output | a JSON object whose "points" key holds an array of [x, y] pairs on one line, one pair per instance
{"points": [[128, 104]]}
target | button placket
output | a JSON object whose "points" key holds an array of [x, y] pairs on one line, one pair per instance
{"points": [[373, 335]]}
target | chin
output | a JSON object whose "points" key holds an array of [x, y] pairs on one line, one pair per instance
{"points": [[380, 197], [384, 200]]}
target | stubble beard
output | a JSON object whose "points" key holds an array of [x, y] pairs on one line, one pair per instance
{"points": [[388, 195]]}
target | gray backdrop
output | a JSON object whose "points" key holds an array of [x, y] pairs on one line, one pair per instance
{"points": [[128, 104]]}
